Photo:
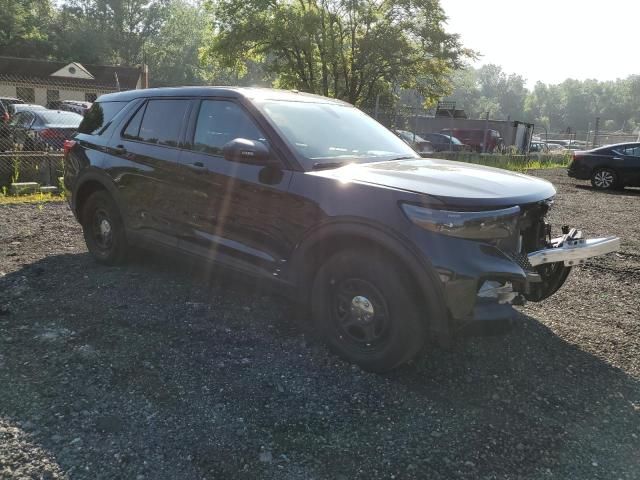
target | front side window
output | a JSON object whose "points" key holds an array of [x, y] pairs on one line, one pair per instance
{"points": [[221, 121], [161, 122], [330, 133], [99, 116]]}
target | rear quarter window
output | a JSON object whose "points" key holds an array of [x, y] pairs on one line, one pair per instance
{"points": [[99, 116]]}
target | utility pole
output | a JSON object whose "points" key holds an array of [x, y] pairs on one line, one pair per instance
{"points": [[486, 131], [595, 132]]}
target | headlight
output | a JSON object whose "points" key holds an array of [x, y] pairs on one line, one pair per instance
{"points": [[489, 225]]}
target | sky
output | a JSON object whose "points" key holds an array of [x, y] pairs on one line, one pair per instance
{"points": [[551, 40]]}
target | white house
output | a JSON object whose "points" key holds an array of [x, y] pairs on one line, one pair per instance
{"points": [[41, 81]]}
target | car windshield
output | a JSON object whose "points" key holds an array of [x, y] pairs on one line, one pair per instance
{"points": [[332, 134], [60, 118]]}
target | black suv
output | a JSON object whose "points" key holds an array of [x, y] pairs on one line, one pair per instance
{"points": [[388, 249]]}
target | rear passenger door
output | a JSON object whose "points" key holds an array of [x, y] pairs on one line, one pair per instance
{"points": [[232, 212], [146, 152]]}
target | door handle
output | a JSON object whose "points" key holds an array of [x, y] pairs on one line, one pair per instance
{"points": [[617, 158], [197, 166], [119, 150]]}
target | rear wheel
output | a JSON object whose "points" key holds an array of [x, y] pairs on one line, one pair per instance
{"points": [[604, 179], [363, 308], [103, 229]]}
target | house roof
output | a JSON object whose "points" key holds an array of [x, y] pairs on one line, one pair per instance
{"points": [[69, 73]]}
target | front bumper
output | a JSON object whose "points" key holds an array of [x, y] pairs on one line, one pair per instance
{"points": [[482, 282]]}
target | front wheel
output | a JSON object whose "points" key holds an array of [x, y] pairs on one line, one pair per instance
{"points": [[103, 229], [364, 310]]}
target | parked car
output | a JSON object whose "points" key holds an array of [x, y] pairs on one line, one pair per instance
{"points": [[419, 144], [610, 167], [445, 143], [43, 129], [310, 194], [5, 116], [75, 106], [475, 138], [538, 147]]}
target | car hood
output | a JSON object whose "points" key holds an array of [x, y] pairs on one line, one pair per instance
{"points": [[455, 183]]}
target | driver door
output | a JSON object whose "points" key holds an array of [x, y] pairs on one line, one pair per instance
{"points": [[231, 212]]}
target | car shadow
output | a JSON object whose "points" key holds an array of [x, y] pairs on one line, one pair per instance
{"points": [[153, 370], [627, 191]]}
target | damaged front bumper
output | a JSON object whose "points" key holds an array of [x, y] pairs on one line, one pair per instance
{"points": [[494, 298], [483, 281], [574, 250]]}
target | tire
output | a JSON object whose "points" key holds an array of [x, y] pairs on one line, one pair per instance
{"points": [[605, 179], [363, 309], [103, 229]]}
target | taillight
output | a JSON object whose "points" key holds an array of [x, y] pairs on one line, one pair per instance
{"points": [[6, 117], [68, 145]]}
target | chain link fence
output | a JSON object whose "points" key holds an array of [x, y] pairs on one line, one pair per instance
{"points": [[41, 106]]}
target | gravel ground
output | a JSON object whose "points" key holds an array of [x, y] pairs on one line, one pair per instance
{"points": [[151, 371]]}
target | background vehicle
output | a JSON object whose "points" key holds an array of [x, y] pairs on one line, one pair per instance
{"points": [[610, 167], [445, 143], [384, 247], [419, 144], [43, 129], [5, 116], [538, 147], [74, 106], [475, 138]]}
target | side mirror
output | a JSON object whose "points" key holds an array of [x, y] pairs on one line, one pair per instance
{"points": [[246, 151]]}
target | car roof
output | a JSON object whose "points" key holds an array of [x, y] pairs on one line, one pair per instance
{"points": [[624, 144], [250, 93], [27, 106]]}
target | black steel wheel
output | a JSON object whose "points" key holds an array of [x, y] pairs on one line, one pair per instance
{"points": [[363, 307], [103, 229]]}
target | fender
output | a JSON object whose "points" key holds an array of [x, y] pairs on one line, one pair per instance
{"points": [[94, 174], [428, 282]]}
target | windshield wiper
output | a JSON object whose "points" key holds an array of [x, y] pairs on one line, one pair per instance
{"points": [[404, 157], [327, 165]]}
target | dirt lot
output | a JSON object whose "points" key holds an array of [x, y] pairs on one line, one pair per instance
{"points": [[150, 371]]}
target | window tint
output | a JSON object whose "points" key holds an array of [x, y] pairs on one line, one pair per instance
{"points": [[99, 116], [221, 121], [162, 121]]}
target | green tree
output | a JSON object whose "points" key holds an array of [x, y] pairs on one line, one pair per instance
{"points": [[349, 49], [108, 31], [23, 28]]}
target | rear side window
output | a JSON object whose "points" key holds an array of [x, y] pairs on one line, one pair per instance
{"points": [[99, 116], [159, 122]]}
